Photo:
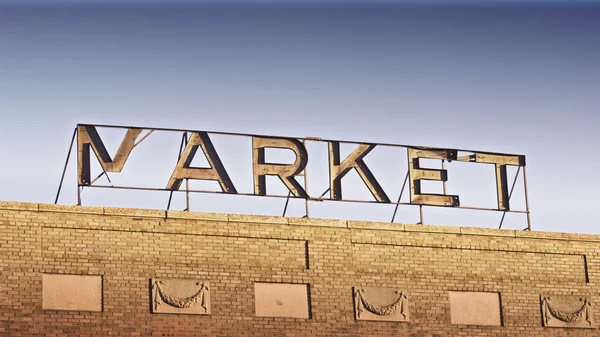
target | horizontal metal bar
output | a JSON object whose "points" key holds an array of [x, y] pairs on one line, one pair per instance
{"points": [[294, 197], [314, 139]]}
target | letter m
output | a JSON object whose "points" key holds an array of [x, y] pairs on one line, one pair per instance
{"points": [[87, 137]]}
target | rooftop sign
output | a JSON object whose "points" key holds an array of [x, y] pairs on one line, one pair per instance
{"points": [[90, 146]]}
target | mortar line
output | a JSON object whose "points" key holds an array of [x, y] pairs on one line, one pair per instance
{"points": [[478, 249], [171, 233]]}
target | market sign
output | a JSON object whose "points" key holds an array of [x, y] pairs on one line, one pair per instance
{"points": [[90, 145]]}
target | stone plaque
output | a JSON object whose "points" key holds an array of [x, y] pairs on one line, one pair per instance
{"points": [[477, 308], [180, 296], [71, 292], [281, 300], [566, 311], [380, 304]]}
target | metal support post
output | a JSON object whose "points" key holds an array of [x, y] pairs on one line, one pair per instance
{"points": [[526, 199], [62, 178], [400, 197]]}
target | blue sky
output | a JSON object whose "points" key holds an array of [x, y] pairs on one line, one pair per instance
{"points": [[519, 78]]}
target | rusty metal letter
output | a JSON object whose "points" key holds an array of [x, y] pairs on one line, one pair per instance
{"points": [[417, 174], [354, 160], [285, 172], [216, 171], [500, 161], [88, 136]]}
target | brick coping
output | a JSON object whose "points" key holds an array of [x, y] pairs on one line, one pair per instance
{"points": [[278, 220]]}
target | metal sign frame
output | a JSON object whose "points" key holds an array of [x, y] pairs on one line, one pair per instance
{"points": [[89, 141]]}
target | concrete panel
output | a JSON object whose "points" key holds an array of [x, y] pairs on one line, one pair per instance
{"points": [[180, 296], [476, 308], [71, 292], [281, 300]]}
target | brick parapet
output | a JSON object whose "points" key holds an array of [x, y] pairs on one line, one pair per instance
{"points": [[276, 220], [130, 246]]}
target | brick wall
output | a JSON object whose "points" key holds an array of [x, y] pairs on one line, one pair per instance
{"points": [[129, 247]]}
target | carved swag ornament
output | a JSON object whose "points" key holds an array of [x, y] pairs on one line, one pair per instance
{"points": [[398, 307], [160, 297], [579, 317]]}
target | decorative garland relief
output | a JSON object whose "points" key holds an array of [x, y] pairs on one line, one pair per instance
{"points": [[180, 296], [380, 304], [566, 311]]}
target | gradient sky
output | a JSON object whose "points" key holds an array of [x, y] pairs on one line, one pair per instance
{"points": [[520, 78]]}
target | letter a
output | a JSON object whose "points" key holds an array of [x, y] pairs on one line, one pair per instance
{"points": [[183, 170]]}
